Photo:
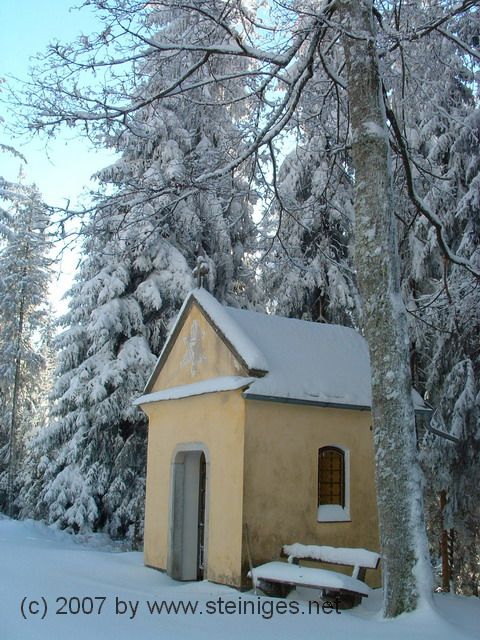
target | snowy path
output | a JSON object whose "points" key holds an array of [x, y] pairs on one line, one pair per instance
{"points": [[116, 593]]}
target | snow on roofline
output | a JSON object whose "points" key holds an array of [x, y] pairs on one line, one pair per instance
{"points": [[212, 385], [419, 404], [235, 335]]}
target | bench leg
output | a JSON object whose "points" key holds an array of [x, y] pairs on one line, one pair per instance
{"points": [[345, 600], [274, 589]]}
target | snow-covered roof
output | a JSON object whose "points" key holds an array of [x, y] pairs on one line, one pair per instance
{"points": [[290, 360], [250, 351], [308, 361]]}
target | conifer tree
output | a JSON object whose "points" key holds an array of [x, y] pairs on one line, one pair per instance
{"points": [[149, 228], [308, 270], [441, 130], [24, 318]]}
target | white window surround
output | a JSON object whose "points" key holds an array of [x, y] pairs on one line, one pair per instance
{"points": [[335, 512]]}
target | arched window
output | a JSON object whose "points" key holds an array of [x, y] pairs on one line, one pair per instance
{"points": [[333, 489], [331, 476]]}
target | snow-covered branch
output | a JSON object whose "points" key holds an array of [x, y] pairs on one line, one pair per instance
{"points": [[421, 205]]}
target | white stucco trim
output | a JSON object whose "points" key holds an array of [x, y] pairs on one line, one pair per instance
{"points": [[211, 385]]}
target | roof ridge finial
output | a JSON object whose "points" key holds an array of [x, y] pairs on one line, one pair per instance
{"points": [[202, 268]]}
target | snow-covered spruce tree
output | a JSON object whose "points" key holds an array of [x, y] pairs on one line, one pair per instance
{"points": [[24, 321], [453, 380], [439, 163], [149, 228], [169, 143], [453, 383], [90, 460], [431, 107], [307, 269]]}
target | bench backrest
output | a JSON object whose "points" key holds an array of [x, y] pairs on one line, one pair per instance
{"points": [[356, 558]]}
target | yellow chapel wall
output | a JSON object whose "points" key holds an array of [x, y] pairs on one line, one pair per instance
{"points": [[216, 422], [213, 421], [197, 354], [280, 481]]}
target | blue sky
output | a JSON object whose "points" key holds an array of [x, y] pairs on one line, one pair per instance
{"points": [[61, 171], [26, 27]]}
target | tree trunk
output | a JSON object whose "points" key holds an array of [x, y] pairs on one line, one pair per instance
{"points": [[405, 564], [446, 575]]}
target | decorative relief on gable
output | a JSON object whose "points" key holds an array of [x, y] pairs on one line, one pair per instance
{"points": [[195, 354]]}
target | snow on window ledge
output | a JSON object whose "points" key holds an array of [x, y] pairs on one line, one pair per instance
{"points": [[333, 513]]}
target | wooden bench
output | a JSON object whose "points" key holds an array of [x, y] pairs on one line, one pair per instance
{"points": [[278, 578]]}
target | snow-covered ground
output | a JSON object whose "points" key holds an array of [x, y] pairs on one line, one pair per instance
{"points": [[92, 590]]}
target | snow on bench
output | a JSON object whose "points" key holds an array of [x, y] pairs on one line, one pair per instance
{"points": [[296, 575], [359, 559], [292, 573]]}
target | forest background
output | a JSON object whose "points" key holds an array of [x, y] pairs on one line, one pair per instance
{"points": [[233, 130]]}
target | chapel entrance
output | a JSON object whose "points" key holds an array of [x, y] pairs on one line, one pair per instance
{"points": [[187, 547]]}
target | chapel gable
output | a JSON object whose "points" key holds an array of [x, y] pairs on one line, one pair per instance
{"points": [[195, 352]]}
